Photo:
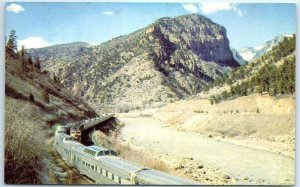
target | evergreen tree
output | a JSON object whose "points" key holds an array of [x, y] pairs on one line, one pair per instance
{"points": [[232, 90], [45, 95], [29, 60], [279, 86], [23, 53], [12, 41], [23, 57], [37, 63], [56, 79], [224, 95], [31, 98]]}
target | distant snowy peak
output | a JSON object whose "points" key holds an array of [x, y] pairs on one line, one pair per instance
{"points": [[238, 57], [257, 48], [250, 53]]}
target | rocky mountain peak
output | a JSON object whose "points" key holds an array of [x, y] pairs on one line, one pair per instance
{"points": [[199, 34], [170, 59]]}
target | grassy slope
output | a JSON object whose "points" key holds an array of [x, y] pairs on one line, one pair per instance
{"points": [[27, 122], [63, 106]]}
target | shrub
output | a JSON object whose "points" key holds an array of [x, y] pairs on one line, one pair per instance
{"points": [[24, 144], [31, 98], [45, 95]]}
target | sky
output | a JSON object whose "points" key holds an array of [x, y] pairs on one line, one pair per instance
{"points": [[44, 24]]}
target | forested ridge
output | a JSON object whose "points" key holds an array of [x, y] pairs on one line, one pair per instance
{"points": [[273, 74]]}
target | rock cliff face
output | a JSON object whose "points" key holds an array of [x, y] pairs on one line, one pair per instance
{"points": [[190, 45], [166, 61], [198, 35], [238, 57]]}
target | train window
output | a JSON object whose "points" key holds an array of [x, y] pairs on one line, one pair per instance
{"points": [[119, 180], [106, 173], [112, 176], [93, 167], [107, 152], [101, 171], [113, 153], [83, 162], [100, 153]]}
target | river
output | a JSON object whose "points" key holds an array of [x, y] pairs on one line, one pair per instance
{"points": [[236, 160]]}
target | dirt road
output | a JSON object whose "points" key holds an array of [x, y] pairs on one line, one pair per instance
{"points": [[257, 166]]}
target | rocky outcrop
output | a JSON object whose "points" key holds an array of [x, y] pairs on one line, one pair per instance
{"points": [[190, 45], [168, 60]]}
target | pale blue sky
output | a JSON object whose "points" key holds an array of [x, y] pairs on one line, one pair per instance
{"points": [[42, 24]]}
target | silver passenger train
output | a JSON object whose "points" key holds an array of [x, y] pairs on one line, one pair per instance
{"points": [[104, 167]]}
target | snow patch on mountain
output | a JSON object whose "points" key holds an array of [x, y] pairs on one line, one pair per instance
{"points": [[250, 53], [238, 57]]}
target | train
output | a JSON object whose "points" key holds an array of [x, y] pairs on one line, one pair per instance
{"points": [[76, 133], [103, 165]]}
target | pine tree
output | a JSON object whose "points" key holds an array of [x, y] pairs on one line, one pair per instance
{"points": [[23, 53], [23, 57], [29, 60], [31, 98], [45, 95], [224, 95], [232, 90], [260, 89], [12, 41], [56, 79], [37, 63], [279, 86]]}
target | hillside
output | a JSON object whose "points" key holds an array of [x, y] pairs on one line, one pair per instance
{"points": [[34, 103], [168, 60], [254, 105], [25, 80], [273, 73]]}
